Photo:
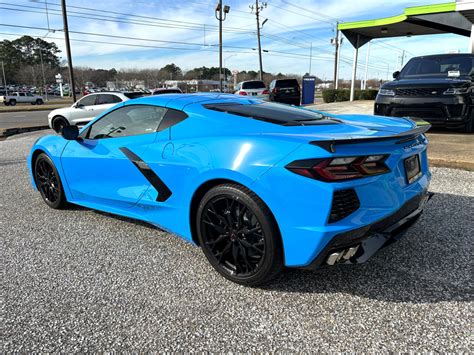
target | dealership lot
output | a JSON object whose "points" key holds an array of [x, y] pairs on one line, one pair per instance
{"points": [[79, 280]]}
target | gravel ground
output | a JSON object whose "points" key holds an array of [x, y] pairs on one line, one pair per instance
{"points": [[79, 280]]}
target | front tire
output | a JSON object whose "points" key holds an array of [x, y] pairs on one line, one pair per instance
{"points": [[12, 102], [48, 182], [238, 235], [39, 102]]}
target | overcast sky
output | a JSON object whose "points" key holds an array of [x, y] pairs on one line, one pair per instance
{"points": [[293, 26]]}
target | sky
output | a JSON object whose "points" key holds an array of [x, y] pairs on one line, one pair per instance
{"points": [[186, 33]]}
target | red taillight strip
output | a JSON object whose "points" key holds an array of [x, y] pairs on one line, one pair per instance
{"points": [[320, 169]]}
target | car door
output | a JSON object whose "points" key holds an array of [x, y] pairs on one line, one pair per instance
{"points": [[22, 97], [103, 167], [83, 110], [104, 102]]}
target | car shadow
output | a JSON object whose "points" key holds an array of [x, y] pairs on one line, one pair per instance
{"points": [[431, 264]]}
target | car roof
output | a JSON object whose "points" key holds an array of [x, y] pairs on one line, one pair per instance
{"points": [[180, 101]]}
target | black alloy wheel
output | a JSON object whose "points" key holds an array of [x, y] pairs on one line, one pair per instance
{"points": [[238, 235], [48, 182]]}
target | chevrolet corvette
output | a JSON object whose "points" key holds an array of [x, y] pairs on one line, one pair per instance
{"points": [[257, 185]]}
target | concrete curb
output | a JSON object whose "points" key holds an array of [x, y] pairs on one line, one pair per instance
{"points": [[33, 109], [453, 164], [7, 132]]}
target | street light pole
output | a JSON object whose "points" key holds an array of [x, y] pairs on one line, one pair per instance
{"points": [[221, 14], [68, 49]]}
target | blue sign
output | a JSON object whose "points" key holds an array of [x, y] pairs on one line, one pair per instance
{"points": [[309, 84]]}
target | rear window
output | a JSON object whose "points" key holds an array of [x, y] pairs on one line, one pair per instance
{"points": [[253, 85], [287, 83], [169, 91], [269, 112], [133, 95]]}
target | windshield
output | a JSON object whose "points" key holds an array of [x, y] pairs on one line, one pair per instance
{"points": [[253, 85], [442, 66], [269, 112], [133, 95]]}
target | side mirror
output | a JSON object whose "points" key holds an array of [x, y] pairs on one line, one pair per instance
{"points": [[396, 74], [70, 132]]}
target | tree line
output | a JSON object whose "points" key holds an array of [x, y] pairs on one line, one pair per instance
{"points": [[26, 59]]}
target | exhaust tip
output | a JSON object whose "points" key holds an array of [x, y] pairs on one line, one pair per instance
{"points": [[334, 258], [349, 253]]}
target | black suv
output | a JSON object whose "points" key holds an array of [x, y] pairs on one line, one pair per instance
{"points": [[437, 88], [286, 91]]}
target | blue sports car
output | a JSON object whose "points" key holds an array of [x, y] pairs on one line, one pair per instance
{"points": [[257, 185]]}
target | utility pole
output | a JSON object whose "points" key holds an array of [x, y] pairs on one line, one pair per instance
{"points": [[402, 59], [336, 56], [310, 56], [221, 14], [4, 79], [68, 49], [259, 8], [42, 70]]}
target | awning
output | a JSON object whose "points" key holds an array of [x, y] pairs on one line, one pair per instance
{"points": [[415, 21], [453, 17]]}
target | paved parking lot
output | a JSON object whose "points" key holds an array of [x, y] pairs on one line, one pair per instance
{"points": [[79, 280]]}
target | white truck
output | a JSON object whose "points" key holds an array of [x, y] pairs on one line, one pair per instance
{"points": [[21, 97]]}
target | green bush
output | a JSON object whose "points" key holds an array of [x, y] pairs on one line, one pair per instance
{"points": [[333, 95]]}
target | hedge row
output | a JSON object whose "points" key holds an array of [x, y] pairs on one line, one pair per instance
{"points": [[333, 95]]}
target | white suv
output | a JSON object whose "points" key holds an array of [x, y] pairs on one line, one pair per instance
{"points": [[87, 108], [253, 88]]}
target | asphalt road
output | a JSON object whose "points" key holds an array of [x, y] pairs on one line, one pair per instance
{"points": [[23, 119], [79, 280]]}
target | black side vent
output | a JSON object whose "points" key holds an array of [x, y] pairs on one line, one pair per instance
{"points": [[344, 203]]}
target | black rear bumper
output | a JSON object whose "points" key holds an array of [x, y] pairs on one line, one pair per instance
{"points": [[368, 240], [450, 112]]}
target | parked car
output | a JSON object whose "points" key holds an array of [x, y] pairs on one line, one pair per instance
{"points": [[21, 98], [436, 88], [286, 91], [257, 185], [87, 108], [254, 88], [160, 91]]}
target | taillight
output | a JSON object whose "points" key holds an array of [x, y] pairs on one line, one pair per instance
{"points": [[341, 168], [242, 93], [275, 90], [265, 92]]}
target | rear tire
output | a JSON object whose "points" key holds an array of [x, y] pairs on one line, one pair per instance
{"points": [[238, 235], [59, 123], [39, 102], [48, 182]]}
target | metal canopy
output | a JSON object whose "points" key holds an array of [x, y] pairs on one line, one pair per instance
{"points": [[453, 17]]}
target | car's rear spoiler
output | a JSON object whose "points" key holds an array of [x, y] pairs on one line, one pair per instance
{"points": [[330, 144]]}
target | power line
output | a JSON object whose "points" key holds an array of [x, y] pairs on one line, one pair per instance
{"points": [[311, 11], [300, 14], [189, 26]]}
